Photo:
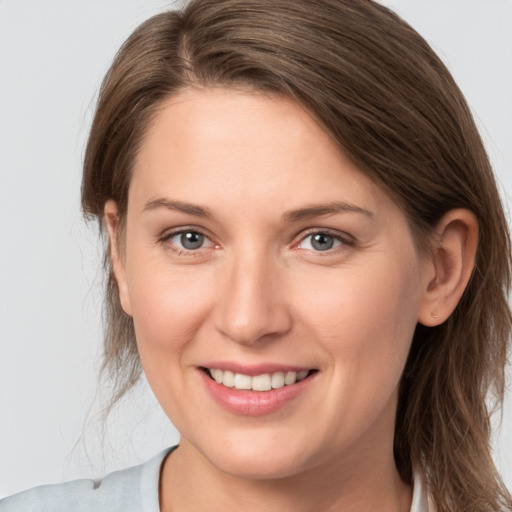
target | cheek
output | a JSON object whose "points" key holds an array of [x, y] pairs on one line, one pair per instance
{"points": [[168, 305], [365, 320], [380, 300], [365, 326], [169, 308]]}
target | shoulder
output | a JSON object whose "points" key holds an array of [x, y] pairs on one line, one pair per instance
{"points": [[420, 497], [130, 490]]}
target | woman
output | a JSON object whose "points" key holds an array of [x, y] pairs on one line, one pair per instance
{"points": [[308, 258]]}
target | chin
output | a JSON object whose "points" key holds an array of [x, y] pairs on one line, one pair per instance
{"points": [[265, 460], [262, 466]]}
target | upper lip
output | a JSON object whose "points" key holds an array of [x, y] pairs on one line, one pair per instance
{"points": [[254, 369]]}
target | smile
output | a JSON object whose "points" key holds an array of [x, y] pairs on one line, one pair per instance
{"points": [[253, 391], [263, 382]]}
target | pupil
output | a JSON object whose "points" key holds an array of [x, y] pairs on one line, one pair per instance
{"points": [[192, 240], [322, 242]]}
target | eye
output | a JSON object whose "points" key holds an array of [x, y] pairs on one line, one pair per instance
{"points": [[189, 240], [320, 241]]}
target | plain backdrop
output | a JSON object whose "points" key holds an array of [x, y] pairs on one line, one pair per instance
{"points": [[53, 55]]}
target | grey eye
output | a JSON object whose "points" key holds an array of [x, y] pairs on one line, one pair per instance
{"points": [[188, 240], [320, 242]]}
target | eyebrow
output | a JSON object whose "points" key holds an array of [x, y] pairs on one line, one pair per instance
{"points": [[188, 208], [308, 212], [319, 210]]}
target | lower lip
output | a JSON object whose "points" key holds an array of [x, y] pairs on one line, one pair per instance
{"points": [[254, 403]]}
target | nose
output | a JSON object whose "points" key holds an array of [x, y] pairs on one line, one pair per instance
{"points": [[252, 307]]}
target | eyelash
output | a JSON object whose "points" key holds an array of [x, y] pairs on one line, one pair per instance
{"points": [[166, 238], [343, 239]]}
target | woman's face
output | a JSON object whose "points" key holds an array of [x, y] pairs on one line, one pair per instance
{"points": [[257, 253]]}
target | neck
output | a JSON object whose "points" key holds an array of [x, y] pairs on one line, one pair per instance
{"points": [[189, 482]]}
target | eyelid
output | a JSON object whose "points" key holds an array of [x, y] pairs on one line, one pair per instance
{"points": [[344, 238], [168, 234]]}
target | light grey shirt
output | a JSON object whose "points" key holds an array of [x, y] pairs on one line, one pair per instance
{"points": [[130, 490]]}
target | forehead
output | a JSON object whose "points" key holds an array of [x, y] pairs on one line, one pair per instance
{"points": [[209, 146]]}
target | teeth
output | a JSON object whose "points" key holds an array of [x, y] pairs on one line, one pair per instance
{"points": [[261, 383], [264, 382], [302, 374], [277, 380], [243, 381], [228, 379], [290, 378]]}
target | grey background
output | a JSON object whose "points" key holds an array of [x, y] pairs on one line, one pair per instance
{"points": [[53, 55]]}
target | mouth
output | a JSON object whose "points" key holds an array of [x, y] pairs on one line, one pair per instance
{"points": [[262, 382], [256, 390]]}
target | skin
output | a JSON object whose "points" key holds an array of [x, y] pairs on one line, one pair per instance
{"points": [[257, 292]]}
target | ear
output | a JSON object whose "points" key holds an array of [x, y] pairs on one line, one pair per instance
{"points": [[450, 265], [111, 216]]}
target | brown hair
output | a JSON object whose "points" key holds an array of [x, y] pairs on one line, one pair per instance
{"points": [[383, 95]]}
